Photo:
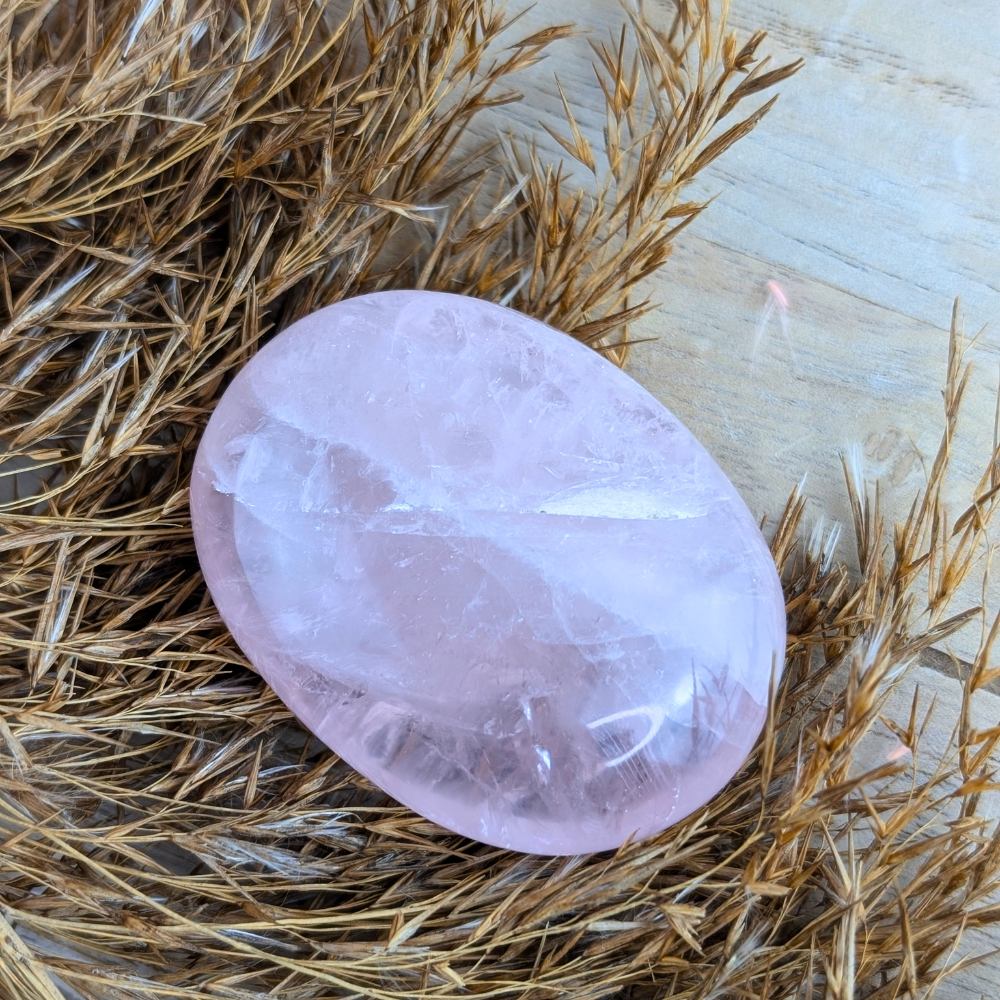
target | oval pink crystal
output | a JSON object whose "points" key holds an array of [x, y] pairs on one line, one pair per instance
{"points": [[489, 570]]}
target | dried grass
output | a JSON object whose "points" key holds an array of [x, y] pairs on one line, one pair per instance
{"points": [[178, 179]]}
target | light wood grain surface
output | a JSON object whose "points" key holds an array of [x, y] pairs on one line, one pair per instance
{"points": [[870, 193]]}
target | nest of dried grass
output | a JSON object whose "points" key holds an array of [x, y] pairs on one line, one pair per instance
{"points": [[179, 179]]}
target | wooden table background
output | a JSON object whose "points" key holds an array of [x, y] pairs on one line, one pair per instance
{"points": [[870, 193]]}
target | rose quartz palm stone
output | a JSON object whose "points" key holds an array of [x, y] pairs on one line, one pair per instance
{"points": [[489, 570]]}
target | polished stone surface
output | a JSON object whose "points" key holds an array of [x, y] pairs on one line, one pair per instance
{"points": [[488, 569]]}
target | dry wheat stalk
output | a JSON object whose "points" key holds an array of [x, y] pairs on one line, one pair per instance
{"points": [[177, 180]]}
